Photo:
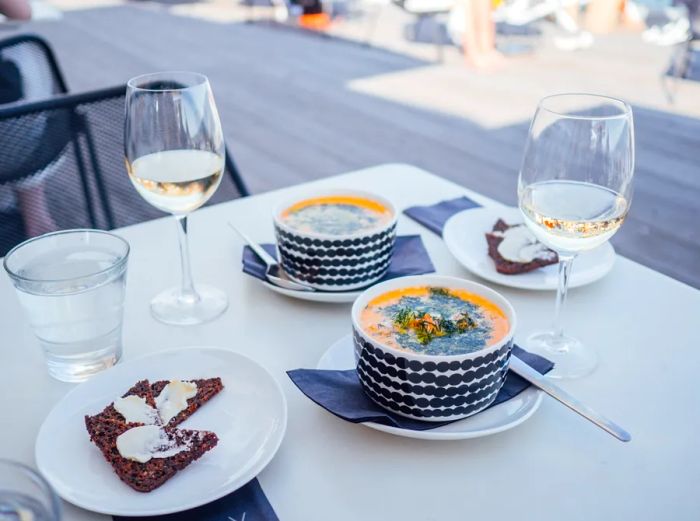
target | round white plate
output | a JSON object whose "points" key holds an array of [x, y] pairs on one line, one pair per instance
{"points": [[464, 237], [331, 297], [501, 417], [249, 416]]}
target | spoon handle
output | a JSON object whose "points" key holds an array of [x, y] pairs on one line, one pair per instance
{"points": [[259, 250], [528, 373]]}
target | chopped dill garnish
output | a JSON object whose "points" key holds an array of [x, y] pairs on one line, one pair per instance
{"points": [[426, 327], [423, 336], [447, 326], [464, 322], [442, 292], [404, 317]]}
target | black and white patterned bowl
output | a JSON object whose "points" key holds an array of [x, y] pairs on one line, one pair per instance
{"points": [[431, 387], [335, 262]]}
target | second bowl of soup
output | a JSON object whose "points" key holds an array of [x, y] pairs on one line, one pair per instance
{"points": [[336, 240], [432, 348]]}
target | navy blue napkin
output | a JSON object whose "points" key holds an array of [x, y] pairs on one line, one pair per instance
{"points": [[410, 258], [248, 503], [435, 216], [340, 393]]}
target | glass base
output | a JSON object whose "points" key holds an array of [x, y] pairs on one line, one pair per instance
{"points": [[571, 358], [81, 366], [172, 307]]}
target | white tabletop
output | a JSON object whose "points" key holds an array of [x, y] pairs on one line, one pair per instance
{"points": [[554, 466]]}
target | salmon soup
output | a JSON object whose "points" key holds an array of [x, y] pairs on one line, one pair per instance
{"points": [[336, 215], [434, 321]]}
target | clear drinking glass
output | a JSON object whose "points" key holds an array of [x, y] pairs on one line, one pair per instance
{"points": [[24, 494], [175, 159], [71, 285], [574, 191]]}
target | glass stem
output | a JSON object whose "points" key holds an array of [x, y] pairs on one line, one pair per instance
{"points": [[565, 263], [188, 294]]}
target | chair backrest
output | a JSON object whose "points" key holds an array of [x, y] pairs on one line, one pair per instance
{"points": [[28, 70], [62, 162]]}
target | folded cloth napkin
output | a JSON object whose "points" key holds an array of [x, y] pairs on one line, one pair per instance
{"points": [[435, 216], [248, 503], [340, 393], [410, 258]]}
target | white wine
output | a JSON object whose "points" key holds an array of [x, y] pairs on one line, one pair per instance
{"points": [[177, 181], [572, 216]]}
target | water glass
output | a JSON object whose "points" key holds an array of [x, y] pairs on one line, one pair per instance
{"points": [[24, 494], [71, 285]]}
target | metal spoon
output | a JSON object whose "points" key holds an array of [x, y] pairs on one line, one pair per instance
{"points": [[528, 373], [274, 272]]}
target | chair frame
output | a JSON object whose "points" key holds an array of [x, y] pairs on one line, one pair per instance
{"points": [[69, 101], [51, 57]]}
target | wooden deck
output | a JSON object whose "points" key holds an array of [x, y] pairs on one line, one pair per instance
{"points": [[298, 107]]}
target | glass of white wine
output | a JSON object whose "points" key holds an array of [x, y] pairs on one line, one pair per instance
{"points": [[574, 191], [175, 159]]}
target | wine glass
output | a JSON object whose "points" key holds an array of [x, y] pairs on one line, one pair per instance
{"points": [[574, 191], [175, 159]]}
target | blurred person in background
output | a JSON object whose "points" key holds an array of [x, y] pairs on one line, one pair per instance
{"points": [[16, 9], [479, 36]]}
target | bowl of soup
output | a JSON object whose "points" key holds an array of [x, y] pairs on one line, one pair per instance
{"points": [[336, 240], [431, 347]]}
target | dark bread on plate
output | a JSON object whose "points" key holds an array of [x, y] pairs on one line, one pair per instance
{"points": [[105, 427], [508, 267]]}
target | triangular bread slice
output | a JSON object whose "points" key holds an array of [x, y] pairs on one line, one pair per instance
{"points": [[207, 388], [144, 477]]}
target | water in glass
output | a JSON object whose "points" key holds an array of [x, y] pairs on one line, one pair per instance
{"points": [[73, 294]]}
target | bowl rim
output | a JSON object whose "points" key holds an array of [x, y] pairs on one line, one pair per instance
{"points": [[435, 280], [321, 192]]}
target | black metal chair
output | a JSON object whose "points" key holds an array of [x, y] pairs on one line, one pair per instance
{"points": [[73, 147], [28, 70]]}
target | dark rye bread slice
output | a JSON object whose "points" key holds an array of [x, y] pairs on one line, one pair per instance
{"points": [[513, 268], [142, 389], [145, 477], [207, 388]]}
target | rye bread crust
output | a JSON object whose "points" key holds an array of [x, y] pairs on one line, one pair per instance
{"points": [[507, 267], [207, 388]]}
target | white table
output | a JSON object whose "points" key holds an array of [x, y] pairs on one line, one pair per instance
{"points": [[555, 466]]}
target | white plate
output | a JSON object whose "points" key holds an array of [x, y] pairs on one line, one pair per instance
{"points": [[501, 417], [331, 297], [249, 416], [464, 237]]}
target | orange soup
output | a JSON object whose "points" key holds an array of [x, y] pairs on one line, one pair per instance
{"points": [[434, 321], [336, 215]]}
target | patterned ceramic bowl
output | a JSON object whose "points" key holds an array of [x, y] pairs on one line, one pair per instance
{"points": [[431, 387], [336, 260]]}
